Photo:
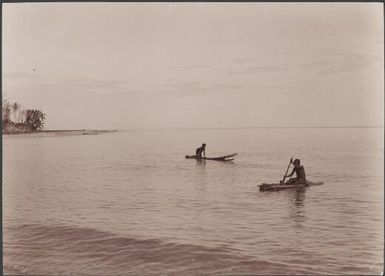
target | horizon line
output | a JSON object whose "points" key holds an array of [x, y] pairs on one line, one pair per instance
{"points": [[248, 127], [254, 127]]}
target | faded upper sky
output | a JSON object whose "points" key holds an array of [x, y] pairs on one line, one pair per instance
{"points": [[169, 65]]}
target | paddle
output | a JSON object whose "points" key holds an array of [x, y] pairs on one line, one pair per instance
{"points": [[291, 160]]}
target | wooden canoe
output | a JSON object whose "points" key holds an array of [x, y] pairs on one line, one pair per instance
{"points": [[220, 158]]}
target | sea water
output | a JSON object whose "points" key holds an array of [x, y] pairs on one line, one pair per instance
{"points": [[130, 203]]}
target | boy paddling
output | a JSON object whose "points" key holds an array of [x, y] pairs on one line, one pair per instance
{"points": [[300, 172]]}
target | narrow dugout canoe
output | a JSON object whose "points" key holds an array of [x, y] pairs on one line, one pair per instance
{"points": [[220, 158]]}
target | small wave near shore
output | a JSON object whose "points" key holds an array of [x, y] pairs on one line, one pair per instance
{"points": [[61, 249]]}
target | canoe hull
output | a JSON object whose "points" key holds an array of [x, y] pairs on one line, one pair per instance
{"points": [[279, 186], [220, 158]]}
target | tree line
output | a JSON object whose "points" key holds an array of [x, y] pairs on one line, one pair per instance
{"points": [[14, 117]]}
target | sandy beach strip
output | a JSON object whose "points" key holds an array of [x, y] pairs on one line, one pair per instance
{"points": [[58, 132]]}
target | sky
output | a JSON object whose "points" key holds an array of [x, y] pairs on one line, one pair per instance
{"points": [[195, 65]]}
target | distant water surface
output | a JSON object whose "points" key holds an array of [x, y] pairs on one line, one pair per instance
{"points": [[130, 203]]}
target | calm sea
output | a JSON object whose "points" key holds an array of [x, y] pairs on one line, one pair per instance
{"points": [[130, 203]]}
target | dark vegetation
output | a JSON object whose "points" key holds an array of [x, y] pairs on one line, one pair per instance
{"points": [[15, 119]]}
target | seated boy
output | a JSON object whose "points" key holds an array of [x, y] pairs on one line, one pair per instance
{"points": [[300, 172]]}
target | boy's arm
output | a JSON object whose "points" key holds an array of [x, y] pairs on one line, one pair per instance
{"points": [[291, 174]]}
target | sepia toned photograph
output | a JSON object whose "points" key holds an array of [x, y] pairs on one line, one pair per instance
{"points": [[200, 138]]}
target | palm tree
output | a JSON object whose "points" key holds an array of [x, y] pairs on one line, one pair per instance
{"points": [[6, 108], [22, 116], [15, 108], [6, 113]]}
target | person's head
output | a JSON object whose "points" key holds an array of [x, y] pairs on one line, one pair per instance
{"points": [[203, 145], [297, 162]]}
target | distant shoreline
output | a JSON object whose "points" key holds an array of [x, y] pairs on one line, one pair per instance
{"points": [[64, 131], [94, 132]]}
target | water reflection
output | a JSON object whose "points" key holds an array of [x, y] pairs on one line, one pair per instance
{"points": [[296, 207], [201, 165], [299, 198], [201, 162]]}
